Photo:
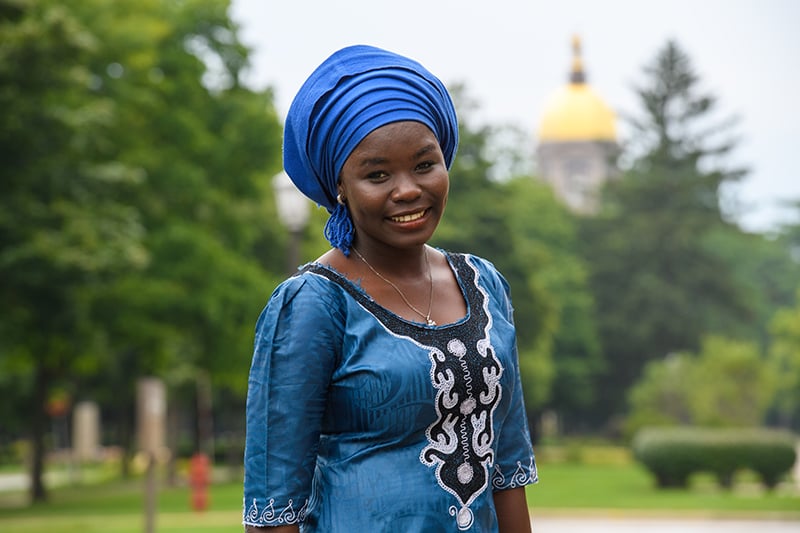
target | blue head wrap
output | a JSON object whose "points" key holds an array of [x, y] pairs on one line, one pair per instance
{"points": [[352, 93]]}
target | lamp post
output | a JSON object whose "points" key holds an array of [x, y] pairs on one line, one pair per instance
{"points": [[293, 212]]}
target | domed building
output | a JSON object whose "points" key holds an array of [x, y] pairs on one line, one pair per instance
{"points": [[577, 136]]}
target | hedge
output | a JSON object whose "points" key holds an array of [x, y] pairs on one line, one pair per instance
{"points": [[672, 454]]}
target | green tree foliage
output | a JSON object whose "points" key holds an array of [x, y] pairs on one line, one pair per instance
{"points": [[136, 198], [726, 384], [733, 385], [65, 222], [790, 233], [544, 237], [657, 285], [765, 272], [784, 358], [784, 329], [662, 396], [208, 194]]}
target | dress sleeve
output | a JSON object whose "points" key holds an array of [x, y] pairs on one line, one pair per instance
{"points": [[515, 465], [294, 356]]}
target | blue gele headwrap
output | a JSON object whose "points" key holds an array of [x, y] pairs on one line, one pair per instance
{"points": [[352, 93]]}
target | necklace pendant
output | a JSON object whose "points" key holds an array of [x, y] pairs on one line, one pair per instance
{"points": [[430, 322]]}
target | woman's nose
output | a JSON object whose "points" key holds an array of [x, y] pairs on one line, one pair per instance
{"points": [[406, 188]]}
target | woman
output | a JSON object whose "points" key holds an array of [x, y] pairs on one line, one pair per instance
{"points": [[384, 393]]}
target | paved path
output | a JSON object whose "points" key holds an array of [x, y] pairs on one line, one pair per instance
{"points": [[13, 482], [640, 525], [22, 481]]}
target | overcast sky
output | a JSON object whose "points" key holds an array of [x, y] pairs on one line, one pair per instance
{"points": [[512, 55]]}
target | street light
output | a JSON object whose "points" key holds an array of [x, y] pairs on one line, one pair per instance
{"points": [[293, 212]]}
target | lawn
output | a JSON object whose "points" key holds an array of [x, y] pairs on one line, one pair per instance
{"points": [[118, 507], [564, 488]]}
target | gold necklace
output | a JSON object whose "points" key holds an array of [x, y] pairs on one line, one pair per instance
{"points": [[427, 317]]}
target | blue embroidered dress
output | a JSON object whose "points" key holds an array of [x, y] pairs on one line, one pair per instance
{"points": [[359, 420]]}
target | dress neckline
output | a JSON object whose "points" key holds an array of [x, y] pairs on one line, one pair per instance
{"points": [[355, 288]]}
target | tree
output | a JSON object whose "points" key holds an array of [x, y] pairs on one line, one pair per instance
{"points": [[208, 147], [662, 396], [726, 384], [65, 224], [544, 239], [784, 359], [764, 270], [791, 232], [658, 287], [733, 386], [135, 193]]}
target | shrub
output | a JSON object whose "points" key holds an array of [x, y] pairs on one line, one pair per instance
{"points": [[673, 454]]}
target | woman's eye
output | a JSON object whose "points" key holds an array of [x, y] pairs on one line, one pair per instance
{"points": [[377, 175], [425, 165]]}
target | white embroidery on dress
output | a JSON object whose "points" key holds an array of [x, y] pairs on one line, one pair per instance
{"points": [[461, 438], [523, 475], [270, 517]]}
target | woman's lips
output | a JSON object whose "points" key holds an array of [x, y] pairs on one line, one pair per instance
{"points": [[408, 218]]}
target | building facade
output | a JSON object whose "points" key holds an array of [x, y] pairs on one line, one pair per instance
{"points": [[577, 141]]}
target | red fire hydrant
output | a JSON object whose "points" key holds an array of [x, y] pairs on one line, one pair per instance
{"points": [[199, 480]]}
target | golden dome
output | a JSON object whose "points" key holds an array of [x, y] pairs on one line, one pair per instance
{"points": [[576, 112]]}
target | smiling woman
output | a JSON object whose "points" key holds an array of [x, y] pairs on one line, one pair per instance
{"points": [[384, 393]]}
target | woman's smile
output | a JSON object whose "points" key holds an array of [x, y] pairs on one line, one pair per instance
{"points": [[410, 217]]}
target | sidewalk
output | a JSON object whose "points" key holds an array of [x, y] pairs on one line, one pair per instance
{"points": [[9, 482], [639, 525], [13, 482]]}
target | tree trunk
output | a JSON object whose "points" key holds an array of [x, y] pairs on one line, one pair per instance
{"points": [[126, 439], [205, 424], [38, 422], [172, 442]]}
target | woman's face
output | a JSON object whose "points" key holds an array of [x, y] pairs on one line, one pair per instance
{"points": [[395, 184]]}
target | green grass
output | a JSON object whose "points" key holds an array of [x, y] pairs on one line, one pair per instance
{"points": [[564, 488], [629, 488], [118, 507]]}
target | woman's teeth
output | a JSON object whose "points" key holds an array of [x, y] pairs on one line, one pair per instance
{"points": [[408, 218]]}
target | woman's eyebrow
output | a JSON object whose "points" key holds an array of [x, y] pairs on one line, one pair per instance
{"points": [[372, 161], [378, 160], [425, 150]]}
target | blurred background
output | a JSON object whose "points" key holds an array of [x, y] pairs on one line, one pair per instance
{"points": [[630, 167]]}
